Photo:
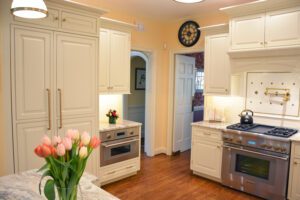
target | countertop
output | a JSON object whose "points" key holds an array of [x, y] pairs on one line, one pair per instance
{"points": [[215, 125], [296, 137], [105, 126], [24, 186]]}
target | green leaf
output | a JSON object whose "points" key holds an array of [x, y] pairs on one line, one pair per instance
{"points": [[49, 190], [65, 173], [46, 166]]}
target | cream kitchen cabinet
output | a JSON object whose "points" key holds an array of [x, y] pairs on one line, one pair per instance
{"points": [[274, 29], [76, 67], [217, 65], [206, 152], [294, 179], [114, 67], [54, 79]]}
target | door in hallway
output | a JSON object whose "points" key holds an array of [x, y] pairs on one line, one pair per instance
{"points": [[183, 114]]}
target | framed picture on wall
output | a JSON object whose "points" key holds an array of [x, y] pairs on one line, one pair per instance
{"points": [[140, 79]]}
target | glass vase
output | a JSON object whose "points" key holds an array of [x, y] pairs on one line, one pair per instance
{"points": [[68, 193], [112, 120]]}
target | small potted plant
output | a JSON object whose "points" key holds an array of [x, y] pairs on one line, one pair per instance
{"points": [[112, 116]]}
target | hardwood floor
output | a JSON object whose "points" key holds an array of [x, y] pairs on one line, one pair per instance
{"points": [[169, 178]]}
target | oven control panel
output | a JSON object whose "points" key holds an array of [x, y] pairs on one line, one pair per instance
{"points": [[256, 141], [119, 134]]}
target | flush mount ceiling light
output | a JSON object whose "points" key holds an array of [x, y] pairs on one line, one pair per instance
{"points": [[189, 1], [32, 9]]}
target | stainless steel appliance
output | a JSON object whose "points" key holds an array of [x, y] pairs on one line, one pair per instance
{"points": [[256, 159], [119, 145]]}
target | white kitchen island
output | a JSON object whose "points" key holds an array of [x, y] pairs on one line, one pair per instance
{"points": [[24, 186]]}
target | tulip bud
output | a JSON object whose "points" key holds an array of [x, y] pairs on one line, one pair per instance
{"points": [[67, 142], [56, 140], [46, 150], [61, 151], [39, 151], [85, 138], [95, 142], [46, 140], [83, 152]]}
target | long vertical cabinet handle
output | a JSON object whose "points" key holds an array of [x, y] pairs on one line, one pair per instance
{"points": [[60, 108], [49, 109]]}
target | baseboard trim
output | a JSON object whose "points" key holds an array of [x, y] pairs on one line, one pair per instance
{"points": [[160, 150]]}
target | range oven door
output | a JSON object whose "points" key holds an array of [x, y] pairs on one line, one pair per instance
{"points": [[256, 172], [119, 150]]}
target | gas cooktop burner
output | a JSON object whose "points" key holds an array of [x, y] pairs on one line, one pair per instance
{"points": [[264, 129]]}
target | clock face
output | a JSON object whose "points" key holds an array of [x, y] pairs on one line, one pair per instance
{"points": [[189, 33]]}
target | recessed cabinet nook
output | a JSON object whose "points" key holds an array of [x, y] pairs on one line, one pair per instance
{"points": [[62, 53], [115, 48]]}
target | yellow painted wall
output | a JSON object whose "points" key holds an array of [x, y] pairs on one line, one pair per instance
{"points": [[137, 97]]}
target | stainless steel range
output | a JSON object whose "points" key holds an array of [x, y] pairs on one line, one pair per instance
{"points": [[256, 159]]}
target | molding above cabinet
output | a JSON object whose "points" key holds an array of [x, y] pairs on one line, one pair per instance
{"points": [[116, 24], [215, 29]]}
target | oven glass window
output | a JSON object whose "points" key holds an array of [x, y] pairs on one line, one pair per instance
{"points": [[120, 150], [252, 166]]}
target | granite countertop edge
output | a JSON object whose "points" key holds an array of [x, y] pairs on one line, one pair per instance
{"points": [[104, 126]]}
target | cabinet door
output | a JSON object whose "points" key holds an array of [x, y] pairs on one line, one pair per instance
{"points": [[283, 27], [27, 137], [294, 186], [119, 62], [217, 66], [104, 60], [83, 124], [78, 22], [76, 75], [32, 53], [206, 157], [248, 32]]}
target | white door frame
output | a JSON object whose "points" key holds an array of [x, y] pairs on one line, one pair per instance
{"points": [[171, 93], [150, 98]]}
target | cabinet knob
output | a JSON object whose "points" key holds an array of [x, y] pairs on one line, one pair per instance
{"points": [[295, 163], [262, 43], [56, 18], [64, 20]]}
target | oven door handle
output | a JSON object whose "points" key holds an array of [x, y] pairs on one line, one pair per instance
{"points": [[119, 143], [257, 153]]}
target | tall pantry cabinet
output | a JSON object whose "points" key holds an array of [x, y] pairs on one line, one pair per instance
{"points": [[54, 78]]}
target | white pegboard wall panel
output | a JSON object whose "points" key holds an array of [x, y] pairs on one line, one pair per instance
{"points": [[258, 102]]}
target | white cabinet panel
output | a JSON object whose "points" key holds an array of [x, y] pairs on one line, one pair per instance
{"points": [[248, 32], [217, 65], [119, 61], [283, 27], [114, 69], [206, 157], [28, 136], [32, 66], [76, 22], [294, 186], [104, 60], [76, 74]]}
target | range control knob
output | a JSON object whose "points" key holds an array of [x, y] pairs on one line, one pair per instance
{"points": [[263, 145], [239, 139], [108, 136]]}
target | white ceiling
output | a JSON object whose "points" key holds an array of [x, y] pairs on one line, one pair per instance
{"points": [[167, 9]]}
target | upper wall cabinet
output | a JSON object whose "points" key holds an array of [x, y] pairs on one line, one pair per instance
{"points": [[114, 61], [275, 29], [217, 65]]}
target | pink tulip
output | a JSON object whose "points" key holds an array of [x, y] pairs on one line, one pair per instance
{"points": [[61, 151], [73, 134], [67, 142], [83, 152], [95, 142], [46, 140], [85, 138], [56, 140]]}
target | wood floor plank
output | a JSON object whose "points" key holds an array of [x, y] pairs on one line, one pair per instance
{"points": [[170, 178]]}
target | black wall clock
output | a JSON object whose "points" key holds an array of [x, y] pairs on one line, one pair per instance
{"points": [[189, 33]]}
